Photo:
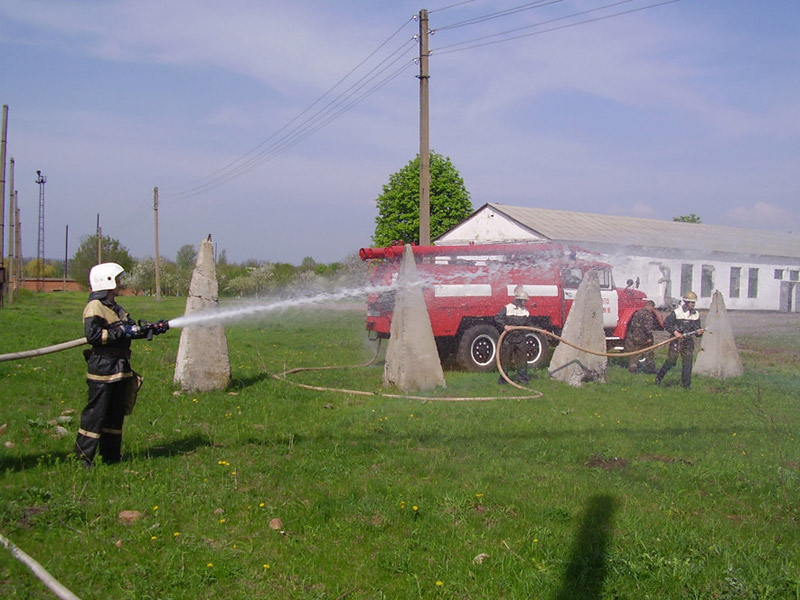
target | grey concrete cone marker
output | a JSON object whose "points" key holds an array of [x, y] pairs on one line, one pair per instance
{"points": [[718, 356], [584, 328], [412, 361], [203, 363]]}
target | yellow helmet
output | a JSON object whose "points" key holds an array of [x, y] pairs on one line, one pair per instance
{"points": [[690, 297]]}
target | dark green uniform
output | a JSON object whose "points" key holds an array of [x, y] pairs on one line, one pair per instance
{"points": [[639, 336]]}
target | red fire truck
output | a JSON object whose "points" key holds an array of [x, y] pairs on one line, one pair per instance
{"points": [[465, 286]]}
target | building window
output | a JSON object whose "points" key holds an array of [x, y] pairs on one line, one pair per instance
{"points": [[793, 275], [736, 281], [752, 283], [706, 281], [686, 278], [778, 273]]}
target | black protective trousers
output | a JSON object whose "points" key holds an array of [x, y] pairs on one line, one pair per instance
{"points": [[685, 349], [101, 422]]}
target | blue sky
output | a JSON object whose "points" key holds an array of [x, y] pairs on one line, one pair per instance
{"points": [[688, 107]]}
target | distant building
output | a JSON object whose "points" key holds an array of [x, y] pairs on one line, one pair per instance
{"points": [[753, 269]]}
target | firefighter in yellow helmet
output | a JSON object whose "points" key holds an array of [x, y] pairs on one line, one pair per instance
{"points": [[683, 323], [109, 330]]}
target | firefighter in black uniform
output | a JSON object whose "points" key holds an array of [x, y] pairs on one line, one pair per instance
{"points": [[640, 335], [516, 314], [112, 382], [683, 323]]}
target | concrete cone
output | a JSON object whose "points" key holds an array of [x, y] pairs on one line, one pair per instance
{"points": [[412, 361], [203, 363], [584, 328], [718, 356]]}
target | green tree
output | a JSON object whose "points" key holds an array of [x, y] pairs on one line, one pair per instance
{"points": [[186, 257], [85, 257], [36, 268], [690, 218], [398, 205]]}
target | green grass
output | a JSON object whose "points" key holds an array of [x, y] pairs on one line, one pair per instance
{"points": [[616, 490]]}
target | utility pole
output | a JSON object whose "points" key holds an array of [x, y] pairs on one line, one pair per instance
{"points": [[99, 232], [66, 259], [424, 135], [41, 180], [3, 203], [18, 242], [157, 261], [11, 264]]}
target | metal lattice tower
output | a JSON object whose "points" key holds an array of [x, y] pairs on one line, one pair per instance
{"points": [[41, 180]]}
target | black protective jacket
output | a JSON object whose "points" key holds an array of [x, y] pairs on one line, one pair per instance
{"points": [[682, 320], [108, 360]]}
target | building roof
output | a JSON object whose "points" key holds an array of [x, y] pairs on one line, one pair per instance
{"points": [[568, 226]]}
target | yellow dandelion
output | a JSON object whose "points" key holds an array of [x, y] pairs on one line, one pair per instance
{"points": [[222, 520], [209, 565], [415, 507], [261, 505], [153, 537], [155, 507], [439, 583], [266, 565]]}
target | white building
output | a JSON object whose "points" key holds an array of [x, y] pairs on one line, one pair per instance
{"points": [[754, 270]]}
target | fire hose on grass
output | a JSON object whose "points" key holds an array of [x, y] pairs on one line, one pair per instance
{"points": [[568, 343]]}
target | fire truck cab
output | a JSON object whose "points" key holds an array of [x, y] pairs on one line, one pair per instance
{"points": [[465, 286]]}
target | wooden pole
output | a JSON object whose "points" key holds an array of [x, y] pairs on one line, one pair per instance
{"points": [[158, 258], [424, 135], [99, 241], [11, 263], [3, 270]]}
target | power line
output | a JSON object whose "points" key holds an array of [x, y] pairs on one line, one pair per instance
{"points": [[470, 44], [265, 151], [497, 15], [450, 6]]}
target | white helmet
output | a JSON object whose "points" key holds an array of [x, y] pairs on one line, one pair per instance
{"points": [[104, 276]]}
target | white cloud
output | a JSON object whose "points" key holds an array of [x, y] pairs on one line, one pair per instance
{"points": [[765, 215]]}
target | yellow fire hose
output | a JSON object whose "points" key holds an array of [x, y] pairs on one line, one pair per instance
{"points": [[568, 343], [45, 350]]}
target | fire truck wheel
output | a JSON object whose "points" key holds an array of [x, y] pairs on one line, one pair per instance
{"points": [[477, 348], [536, 346]]}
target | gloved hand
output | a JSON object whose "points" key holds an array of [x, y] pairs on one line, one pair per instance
{"points": [[134, 332]]}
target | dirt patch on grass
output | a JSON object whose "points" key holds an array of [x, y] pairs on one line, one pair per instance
{"points": [[607, 463]]}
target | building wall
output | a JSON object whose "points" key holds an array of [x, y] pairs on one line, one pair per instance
{"points": [[663, 274], [55, 284], [761, 286]]}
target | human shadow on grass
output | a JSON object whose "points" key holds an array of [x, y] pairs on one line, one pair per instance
{"points": [[29, 461], [588, 563]]}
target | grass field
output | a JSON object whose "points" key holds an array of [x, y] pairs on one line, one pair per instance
{"points": [[268, 490]]}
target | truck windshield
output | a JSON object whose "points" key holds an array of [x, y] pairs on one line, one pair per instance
{"points": [[571, 277]]}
